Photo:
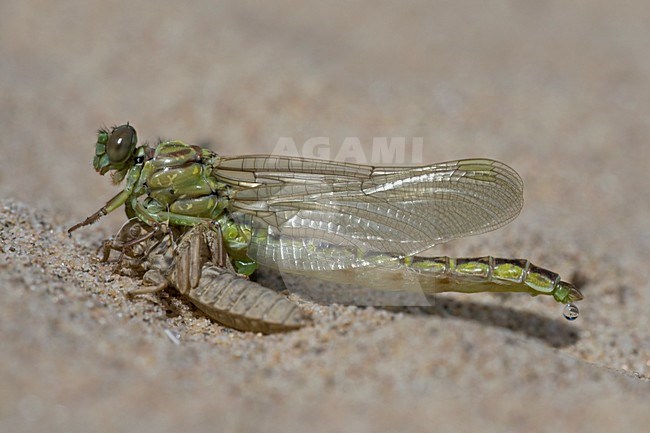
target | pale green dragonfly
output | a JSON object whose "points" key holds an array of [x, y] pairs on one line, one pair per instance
{"points": [[332, 220]]}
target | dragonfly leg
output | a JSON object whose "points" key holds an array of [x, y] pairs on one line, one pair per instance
{"points": [[189, 256], [153, 281], [201, 245], [156, 229], [128, 235], [89, 220], [130, 243], [214, 239], [152, 213], [110, 206]]}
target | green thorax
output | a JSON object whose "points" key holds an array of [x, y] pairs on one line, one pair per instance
{"points": [[179, 177], [171, 183]]}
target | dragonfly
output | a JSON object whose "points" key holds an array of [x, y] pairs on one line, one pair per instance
{"points": [[335, 221]]}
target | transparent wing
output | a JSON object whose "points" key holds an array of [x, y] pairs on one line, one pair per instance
{"points": [[309, 214]]}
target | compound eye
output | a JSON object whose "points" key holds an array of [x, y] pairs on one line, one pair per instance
{"points": [[121, 143]]}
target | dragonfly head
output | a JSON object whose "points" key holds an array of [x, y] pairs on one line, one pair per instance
{"points": [[115, 149]]}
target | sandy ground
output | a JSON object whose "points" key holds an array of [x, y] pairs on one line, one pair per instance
{"points": [[557, 90]]}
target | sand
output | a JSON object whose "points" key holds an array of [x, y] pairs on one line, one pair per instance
{"points": [[556, 90]]}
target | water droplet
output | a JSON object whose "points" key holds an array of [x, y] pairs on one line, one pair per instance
{"points": [[571, 312]]}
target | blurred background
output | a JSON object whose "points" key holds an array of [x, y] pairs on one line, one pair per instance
{"points": [[558, 90]]}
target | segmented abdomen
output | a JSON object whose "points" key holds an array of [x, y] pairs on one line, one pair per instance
{"points": [[243, 304]]}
